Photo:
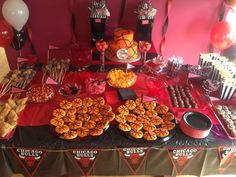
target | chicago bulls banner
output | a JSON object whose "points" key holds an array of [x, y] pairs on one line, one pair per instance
{"points": [[181, 158], [134, 157], [227, 157], [29, 159], [85, 159]]}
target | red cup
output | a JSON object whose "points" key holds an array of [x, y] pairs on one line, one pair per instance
{"points": [[153, 85]]}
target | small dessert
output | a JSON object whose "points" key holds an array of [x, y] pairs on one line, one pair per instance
{"points": [[68, 119], [124, 127], [136, 134], [93, 110], [59, 113], [108, 117], [161, 132], [82, 132], [105, 108], [136, 126], [98, 102], [96, 117], [123, 110], [120, 78], [102, 125], [83, 117], [90, 124], [168, 125], [77, 102], [156, 120], [62, 129], [168, 117], [65, 104], [82, 110], [162, 109], [151, 113], [71, 112], [69, 135], [130, 117], [96, 132], [150, 105], [57, 122], [75, 125], [149, 127], [138, 101], [130, 104], [87, 102], [150, 136], [139, 110], [120, 118]]}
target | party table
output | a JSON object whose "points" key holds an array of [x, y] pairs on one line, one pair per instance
{"points": [[34, 150]]}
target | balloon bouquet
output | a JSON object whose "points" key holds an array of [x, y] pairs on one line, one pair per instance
{"points": [[16, 14]]}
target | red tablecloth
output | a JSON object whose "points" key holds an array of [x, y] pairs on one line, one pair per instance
{"points": [[36, 114]]}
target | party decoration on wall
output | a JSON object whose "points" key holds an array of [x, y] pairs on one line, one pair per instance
{"points": [[6, 34], [222, 35], [98, 16], [230, 2], [16, 13], [146, 14], [19, 39], [165, 26]]}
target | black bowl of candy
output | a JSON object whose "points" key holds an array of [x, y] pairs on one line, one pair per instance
{"points": [[70, 90]]}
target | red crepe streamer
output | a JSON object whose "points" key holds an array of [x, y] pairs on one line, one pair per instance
{"points": [[168, 9]]}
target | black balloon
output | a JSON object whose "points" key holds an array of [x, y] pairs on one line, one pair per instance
{"points": [[19, 39]]}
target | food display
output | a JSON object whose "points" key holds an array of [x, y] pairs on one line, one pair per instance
{"points": [[70, 90], [40, 93], [81, 118], [16, 78], [95, 86], [153, 67], [123, 48], [148, 121], [9, 115], [121, 78], [55, 69], [181, 97], [227, 118]]}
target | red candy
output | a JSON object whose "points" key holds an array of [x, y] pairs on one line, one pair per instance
{"points": [[94, 86]]}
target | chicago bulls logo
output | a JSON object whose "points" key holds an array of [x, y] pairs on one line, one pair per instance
{"points": [[227, 156], [182, 158], [85, 159], [134, 157], [30, 159]]}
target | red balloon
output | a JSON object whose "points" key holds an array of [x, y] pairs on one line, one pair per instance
{"points": [[6, 34], [230, 2], [222, 35]]}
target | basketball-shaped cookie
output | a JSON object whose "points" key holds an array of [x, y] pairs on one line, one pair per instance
{"points": [[71, 111], [57, 122], [105, 109], [77, 103], [150, 105], [139, 110], [58, 113], [68, 119], [83, 117], [75, 125], [87, 102], [65, 104], [143, 118], [124, 127], [122, 109], [96, 117], [150, 136], [89, 124], [93, 110], [102, 125], [136, 134], [161, 132], [96, 132], [130, 117], [156, 120], [62, 129], [151, 113], [149, 127], [99, 101], [168, 125], [82, 110], [138, 101], [82, 132], [108, 117], [168, 117], [136, 126], [120, 118], [70, 135], [162, 109], [130, 104]]}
